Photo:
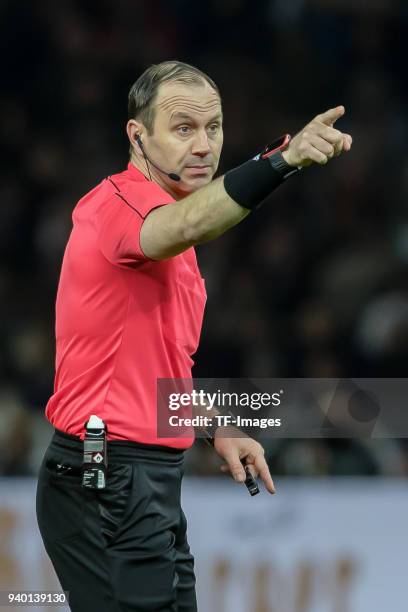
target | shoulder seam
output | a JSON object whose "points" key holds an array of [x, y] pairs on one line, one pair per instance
{"points": [[128, 204], [114, 184]]}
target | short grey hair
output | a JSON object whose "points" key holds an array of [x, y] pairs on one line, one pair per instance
{"points": [[143, 92]]}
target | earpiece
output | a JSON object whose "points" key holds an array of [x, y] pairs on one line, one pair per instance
{"points": [[172, 175]]}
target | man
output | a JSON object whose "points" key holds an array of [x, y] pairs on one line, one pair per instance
{"points": [[129, 310]]}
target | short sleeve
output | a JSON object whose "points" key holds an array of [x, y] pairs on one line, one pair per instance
{"points": [[119, 219]]}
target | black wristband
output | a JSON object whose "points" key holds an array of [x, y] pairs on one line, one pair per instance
{"points": [[249, 184]]}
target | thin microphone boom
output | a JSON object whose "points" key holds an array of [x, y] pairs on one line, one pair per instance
{"points": [[172, 175]]}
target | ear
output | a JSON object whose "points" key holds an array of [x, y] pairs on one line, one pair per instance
{"points": [[134, 128]]}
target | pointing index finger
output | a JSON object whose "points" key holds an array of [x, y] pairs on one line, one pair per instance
{"points": [[264, 473], [331, 115]]}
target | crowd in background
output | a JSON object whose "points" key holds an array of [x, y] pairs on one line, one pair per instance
{"points": [[314, 284]]}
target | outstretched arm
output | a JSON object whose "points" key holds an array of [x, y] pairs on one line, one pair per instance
{"points": [[210, 211]]}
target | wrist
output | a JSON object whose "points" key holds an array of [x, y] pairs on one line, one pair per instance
{"points": [[252, 182], [279, 162], [286, 157], [216, 431]]}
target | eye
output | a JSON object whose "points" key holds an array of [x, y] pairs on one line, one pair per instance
{"points": [[213, 128], [184, 130]]}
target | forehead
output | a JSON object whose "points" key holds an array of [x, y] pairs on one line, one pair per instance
{"points": [[173, 98]]}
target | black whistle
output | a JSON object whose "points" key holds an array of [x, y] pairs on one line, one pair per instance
{"points": [[250, 481]]}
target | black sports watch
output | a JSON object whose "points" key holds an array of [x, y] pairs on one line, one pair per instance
{"points": [[273, 153]]}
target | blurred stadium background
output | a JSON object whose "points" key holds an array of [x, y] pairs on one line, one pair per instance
{"points": [[314, 285]]}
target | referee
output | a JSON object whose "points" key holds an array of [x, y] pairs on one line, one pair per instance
{"points": [[129, 310]]}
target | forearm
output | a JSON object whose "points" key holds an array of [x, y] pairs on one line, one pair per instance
{"points": [[212, 420], [197, 218], [206, 418], [207, 216]]}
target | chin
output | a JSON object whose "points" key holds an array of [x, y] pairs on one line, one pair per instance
{"points": [[192, 185]]}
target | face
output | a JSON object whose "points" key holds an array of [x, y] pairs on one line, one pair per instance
{"points": [[187, 136]]}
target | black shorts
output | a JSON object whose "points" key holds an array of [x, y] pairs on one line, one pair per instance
{"points": [[123, 548]]}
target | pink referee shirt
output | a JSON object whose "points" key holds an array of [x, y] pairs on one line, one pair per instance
{"points": [[122, 320]]}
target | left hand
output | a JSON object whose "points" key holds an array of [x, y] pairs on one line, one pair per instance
{"points": [[319, 141], [233, 450]]}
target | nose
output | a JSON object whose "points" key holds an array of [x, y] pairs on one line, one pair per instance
{"points": [[201, 145]]}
